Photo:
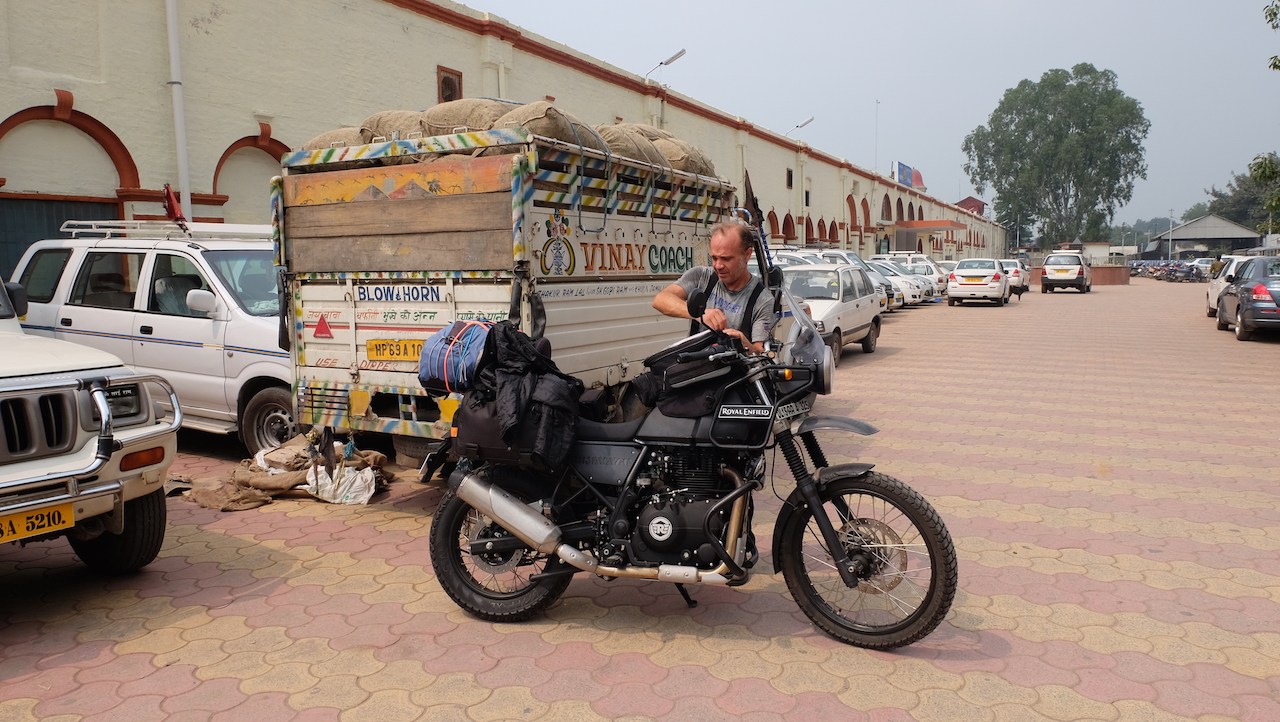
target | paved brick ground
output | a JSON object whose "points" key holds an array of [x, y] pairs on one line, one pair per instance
{"points": [[1107, 464]]}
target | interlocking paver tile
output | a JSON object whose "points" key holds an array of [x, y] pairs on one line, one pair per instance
{"points": [[1118, 562]]}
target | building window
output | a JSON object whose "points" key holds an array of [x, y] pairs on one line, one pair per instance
{"points": [[806, 199], [448, 83], [790, 182]]}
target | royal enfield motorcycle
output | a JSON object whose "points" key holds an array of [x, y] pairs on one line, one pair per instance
{"points": [[668, 497]]}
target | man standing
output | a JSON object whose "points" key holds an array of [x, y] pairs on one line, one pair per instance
{"points": [[736, 301]]}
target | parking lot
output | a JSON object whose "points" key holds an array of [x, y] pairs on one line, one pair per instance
{"points": [[1107, 464]]}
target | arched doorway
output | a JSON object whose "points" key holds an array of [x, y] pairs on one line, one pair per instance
{"points": [[244, 175], [774, 230], [886, 209], [788, 228], [900, 215]]}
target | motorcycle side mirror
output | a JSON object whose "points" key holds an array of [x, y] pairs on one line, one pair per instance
{"points": [[697, 304]]}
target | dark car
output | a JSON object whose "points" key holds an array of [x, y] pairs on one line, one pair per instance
{"points": [[1248, 301]]}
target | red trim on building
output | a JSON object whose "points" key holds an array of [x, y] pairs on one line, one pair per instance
{"points": [[263, 141], [150, 196], [126, 169], [197, 219]]}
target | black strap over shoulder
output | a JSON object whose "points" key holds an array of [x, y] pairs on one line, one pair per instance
{"points": [[748, 313]]}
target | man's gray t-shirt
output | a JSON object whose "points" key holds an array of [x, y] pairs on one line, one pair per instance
{"points": [[732, 303]]}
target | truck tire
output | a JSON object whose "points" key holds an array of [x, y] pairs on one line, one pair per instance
{"points": [[268, 420], [133, 548], [413, 446]]}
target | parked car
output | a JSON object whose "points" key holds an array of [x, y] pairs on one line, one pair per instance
{"points": [[842, 301], [1230, 264], [1019, 275], [1249, 301], [933, 273], [909, 286], [947, 266], [921, 273], [893, 297], [977, 278], [1065, 270], [83, 450], [794, 257], [200, 310]]}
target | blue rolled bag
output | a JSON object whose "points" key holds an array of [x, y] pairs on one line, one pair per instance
{"points": [[449, 358]]}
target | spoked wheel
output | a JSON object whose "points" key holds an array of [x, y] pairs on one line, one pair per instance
{"points": [[908, 564], [494, 586]]}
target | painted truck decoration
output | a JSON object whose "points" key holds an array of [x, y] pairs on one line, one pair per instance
{"points": [[385, 244]]}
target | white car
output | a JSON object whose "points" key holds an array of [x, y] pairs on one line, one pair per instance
{"points": [[199, 310], [932, 273], [911, 287], [1065, 269], [1019, 275], [791, 258], [83, 450], [1230, 264], [978, 278], [892, 296], [842, 302]]}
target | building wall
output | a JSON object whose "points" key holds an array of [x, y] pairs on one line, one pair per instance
{"points": [[261, 76]]}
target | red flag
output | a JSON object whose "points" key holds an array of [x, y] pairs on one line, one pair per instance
{"points": [[173, 208]]}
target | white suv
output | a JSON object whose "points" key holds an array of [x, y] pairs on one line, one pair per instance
{"points": [[198, 308], [1064, 269], [83, 452]]}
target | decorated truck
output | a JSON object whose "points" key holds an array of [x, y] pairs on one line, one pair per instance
{"points": [[383, 244]]}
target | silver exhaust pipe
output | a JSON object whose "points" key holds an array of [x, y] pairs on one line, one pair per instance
{"points": [[522, 520]]}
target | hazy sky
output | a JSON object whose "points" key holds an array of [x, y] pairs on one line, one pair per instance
{"points": [[939, 68]]}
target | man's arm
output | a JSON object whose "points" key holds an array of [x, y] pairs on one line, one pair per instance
{"points": [[673, 301]]}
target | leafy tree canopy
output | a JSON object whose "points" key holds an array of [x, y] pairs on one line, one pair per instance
{"points": [[1241, 201], [1062, 152], [1272, 13], [1199, 210]]}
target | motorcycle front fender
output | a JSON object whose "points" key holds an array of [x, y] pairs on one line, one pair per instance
{"points": [[796, 501], [836, 423]]}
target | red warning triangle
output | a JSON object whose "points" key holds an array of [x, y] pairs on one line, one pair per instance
{"points": [[322, 329]]}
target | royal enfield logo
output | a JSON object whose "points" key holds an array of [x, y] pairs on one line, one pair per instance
{"points": [[746, 412], [660, 529]]}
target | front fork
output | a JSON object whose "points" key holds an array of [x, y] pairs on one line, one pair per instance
{"points": [[808, 488]]}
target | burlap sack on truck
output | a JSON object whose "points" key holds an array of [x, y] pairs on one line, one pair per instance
{"points": [[630, 144], [387, 122], [346, 136], [685, 157], [542, 118], [470, 113], [646, 130]]}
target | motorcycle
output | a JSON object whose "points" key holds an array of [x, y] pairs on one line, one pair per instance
{"points": [[669, 499]]}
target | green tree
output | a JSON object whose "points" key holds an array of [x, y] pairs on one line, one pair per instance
{"points": [[1064, 151], [1241, 201], [1265, 171], [1272, 13], [1199, 210]]}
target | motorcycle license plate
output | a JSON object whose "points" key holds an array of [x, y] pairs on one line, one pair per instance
{"points": [[394, 350], [789, 410], [30, 523]]}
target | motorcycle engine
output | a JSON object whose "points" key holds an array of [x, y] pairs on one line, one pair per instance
{"points": [[683, 486]]}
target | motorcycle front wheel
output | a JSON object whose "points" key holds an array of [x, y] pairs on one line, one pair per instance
{"points": [[910, 571], [495, 586]]}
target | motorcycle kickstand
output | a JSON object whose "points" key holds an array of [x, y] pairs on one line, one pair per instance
{"points": [[685, 593]]}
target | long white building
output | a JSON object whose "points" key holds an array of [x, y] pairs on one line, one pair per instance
{"points": [[103, 102]]}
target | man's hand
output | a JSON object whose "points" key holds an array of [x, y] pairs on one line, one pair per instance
{"points": [[746, 342], [714, 319]]}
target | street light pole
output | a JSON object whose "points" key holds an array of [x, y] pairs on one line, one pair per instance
{"points": [[1170, 234]]}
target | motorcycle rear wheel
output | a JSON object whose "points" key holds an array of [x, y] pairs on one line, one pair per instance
{"points": [[494, 587], [912, 567]]}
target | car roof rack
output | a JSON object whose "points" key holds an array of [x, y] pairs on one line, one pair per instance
{"points": [[167, 230]]}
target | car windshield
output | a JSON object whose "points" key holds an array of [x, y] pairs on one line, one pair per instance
{"points": [[1062, 261], [920, 270], [887, 269], [975, 264], [250, 276], [815, 284], [1008, 264]]}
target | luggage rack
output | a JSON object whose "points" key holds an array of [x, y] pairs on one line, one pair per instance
{"points": [[167, 230]]}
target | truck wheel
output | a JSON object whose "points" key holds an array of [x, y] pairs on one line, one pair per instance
{"points": [[268, 420], [414, 446], [135, 547]]}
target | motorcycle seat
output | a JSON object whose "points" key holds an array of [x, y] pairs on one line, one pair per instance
{"points": [[596, 431]]}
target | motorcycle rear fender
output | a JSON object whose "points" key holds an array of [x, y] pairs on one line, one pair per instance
{"points": [[796, 501], [836, 423]]}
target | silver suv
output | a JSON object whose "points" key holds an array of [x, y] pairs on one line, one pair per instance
{"points": [[83, 452]]}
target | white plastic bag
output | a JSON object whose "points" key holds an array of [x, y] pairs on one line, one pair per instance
{"points": [[352, 486]]}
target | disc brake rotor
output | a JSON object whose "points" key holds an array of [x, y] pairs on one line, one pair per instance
{"points": [[496, 562], [883, 545]]}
